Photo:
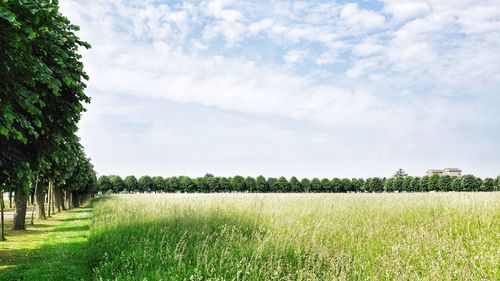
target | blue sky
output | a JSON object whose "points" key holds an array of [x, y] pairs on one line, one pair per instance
{"points": [[304, 88]]}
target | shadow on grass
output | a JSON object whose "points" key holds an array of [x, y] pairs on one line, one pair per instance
{"points": [[62, 256], [62, 261]]}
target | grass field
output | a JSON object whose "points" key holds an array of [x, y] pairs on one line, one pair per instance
{"points": [[55, 249], [431, 236]]}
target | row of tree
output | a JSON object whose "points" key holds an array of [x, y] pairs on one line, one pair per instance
{"points": [[41, 100], [209, 183]]}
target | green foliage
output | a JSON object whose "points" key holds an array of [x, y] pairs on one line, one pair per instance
{"points": [[376, 185], [131, 184], [433, 182], [117, 184], [42, 89], [445, 183], [104, 184], [488, 184]]}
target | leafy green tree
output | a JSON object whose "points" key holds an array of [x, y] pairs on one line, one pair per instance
{"points": [[497, 184], [488, 184], [388, 184], [335, 185], [357, 184], [273, 185], [376, 184], [117, 184], [326, 185], [42, 91], [400, 173], [261, 184], [237, 183], [456, 184], [407, 183], [315, 185], [104, 184], [444, 183], [250, 184], [224, 184], [470, 183], [284, 185], [146, 183], [367, 185], [305, 183], [398, 184], [295, 185], [424, 183], [415, 184], [346, 185], [158, 184], [131, 184], [433, 182]]}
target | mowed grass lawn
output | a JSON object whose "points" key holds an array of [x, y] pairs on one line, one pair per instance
{"points": [[423, 236]]}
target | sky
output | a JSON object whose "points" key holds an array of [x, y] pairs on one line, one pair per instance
{"points": [[290, 88]]}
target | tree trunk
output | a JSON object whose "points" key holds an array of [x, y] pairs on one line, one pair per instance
{"points": [[52, 200], [49, 199], [57, 199], [40, 202], [2, 238], [61, 200], [10, 198], [20, 213]]}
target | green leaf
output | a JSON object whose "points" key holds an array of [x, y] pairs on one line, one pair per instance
{"points": [[4, 131], [7, 15], [32, 35]]}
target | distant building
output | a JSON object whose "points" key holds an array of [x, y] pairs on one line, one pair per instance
{"points": [[454, 172], [434, 172]]}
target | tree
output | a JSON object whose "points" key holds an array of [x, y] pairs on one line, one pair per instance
{"points": [[398, 184], [424, 183], [305, 183], [400, 173], [104, 184], [42, 90], [346, 185], [283, 185], [488, 184], [146, 184], [388, 184], [158, 184], [497, 184], [335, 185], [250, 184], [315, 185], [433, 182], [456, 184], [261, 184], [376, 184], [470, 183], [273, 185], [407, 183], [326, 185], [131, 184], [295, 185], [415, 185], [444, 183], [237, 183], [117, 184]]}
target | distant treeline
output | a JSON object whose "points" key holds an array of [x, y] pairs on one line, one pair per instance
{"points": [[210, 183]]}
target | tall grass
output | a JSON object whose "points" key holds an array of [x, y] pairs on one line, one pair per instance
{"points": [[440, 236]]}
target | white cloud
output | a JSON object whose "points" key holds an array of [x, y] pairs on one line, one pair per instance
{"points": [[406, 10], [295, 56], [355, 16]]}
